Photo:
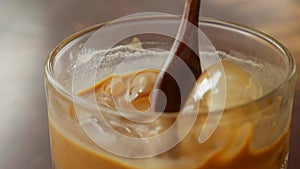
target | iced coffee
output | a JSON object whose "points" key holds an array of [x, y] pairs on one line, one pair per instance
{"points": [[250, 130]]}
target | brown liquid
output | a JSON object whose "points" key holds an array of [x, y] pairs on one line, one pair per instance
{"points": [[230, 147]]}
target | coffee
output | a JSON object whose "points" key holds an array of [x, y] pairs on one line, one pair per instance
{"points": [[251, 132]]}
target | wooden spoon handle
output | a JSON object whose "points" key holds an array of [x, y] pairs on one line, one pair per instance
{"points": [[173, 76]]}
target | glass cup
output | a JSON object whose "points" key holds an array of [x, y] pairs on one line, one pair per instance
{"points": [[252, 134]]}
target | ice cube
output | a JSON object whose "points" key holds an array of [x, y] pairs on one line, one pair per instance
{"points": [[114, 87], [201, 153], [141, 85], [239, 142], [109, 89], [240, 86], [150, 140]]}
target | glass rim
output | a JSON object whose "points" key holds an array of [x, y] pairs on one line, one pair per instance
{"points": [[50, 75]]}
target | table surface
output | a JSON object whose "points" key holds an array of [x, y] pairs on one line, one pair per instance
{"points": [[30, 29]]}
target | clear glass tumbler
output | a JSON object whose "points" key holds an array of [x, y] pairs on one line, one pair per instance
{"points": [[253, 134]]}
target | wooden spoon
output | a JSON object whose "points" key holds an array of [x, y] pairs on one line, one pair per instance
{"points": [[187, 33]]}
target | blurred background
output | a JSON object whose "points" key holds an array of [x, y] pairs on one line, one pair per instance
{"points": [[29, 29]]}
